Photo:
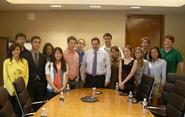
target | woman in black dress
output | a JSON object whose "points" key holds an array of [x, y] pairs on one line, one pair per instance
{"points": [[127, 69]]}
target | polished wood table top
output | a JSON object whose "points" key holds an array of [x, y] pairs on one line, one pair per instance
{"points": [[110, 104]]}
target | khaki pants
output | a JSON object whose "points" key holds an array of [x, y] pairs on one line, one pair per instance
{"points": [[156, 95]]}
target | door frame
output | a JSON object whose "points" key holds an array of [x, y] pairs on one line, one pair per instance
{"points": [[1, 75]]}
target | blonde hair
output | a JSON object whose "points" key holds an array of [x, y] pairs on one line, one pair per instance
{"points": [[115, 48], [145, 38], [129, 47], [140, 60]]}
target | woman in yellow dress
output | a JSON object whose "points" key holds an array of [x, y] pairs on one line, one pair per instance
{"points": [[14, 66]]}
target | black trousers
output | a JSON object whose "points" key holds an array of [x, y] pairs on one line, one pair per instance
{"points": [[37, 90], [94, 81]]}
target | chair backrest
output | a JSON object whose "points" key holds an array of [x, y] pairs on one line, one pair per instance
{"points": [[176, 105], [6, 108], [169, 85], [23, 95], [145, 88]]}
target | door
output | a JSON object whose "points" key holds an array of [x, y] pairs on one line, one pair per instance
{"points": [[138, 26], [3, 52]]}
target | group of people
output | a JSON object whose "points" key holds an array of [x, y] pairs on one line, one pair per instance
{"points": [[47, 73]]}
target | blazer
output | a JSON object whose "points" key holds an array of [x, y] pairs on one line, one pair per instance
{"points": [[33, 70], [13, 70]]}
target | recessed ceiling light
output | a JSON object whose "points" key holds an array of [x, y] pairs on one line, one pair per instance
{"points": [[55, 6], [95, 6], [135, 7]]}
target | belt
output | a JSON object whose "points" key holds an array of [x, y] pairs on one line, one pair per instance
{"points": [[95, 75], [72, 79]]}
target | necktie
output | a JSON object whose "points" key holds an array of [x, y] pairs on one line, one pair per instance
{"points": [[94, 64], [36, 59]]}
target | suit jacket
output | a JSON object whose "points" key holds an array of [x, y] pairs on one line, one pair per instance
{"points": [[33, 70], [24, 53]]}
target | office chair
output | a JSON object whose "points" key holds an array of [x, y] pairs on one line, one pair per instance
{"points": [[169, 85], [6, 108], [176, 104], [24, 98], [145, 88]]}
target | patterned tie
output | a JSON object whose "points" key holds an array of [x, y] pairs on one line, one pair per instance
{"points": [[36, 59], [94, 64]]}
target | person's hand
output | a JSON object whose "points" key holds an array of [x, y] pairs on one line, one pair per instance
{"points": [[56, 90], [161, 88], [62, 89], [121, 85], [106, 84], [77, 79], [14, 93]]}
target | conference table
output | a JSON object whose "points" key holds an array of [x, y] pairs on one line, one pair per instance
{"points": [[110, 104]]}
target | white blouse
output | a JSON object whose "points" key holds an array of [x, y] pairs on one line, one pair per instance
{"points": [[157, 69]]}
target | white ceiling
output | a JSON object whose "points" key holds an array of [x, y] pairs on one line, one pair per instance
{"points": [[173, 3], [124, 5]]}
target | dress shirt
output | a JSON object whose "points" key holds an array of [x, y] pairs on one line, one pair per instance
{"points": [[13, 70], [157, 69], [72, 61], [34, 57], [103, 64], [81, 54]]}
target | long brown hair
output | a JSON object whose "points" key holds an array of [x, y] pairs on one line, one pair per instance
{"points": [[45, 47], [140, 60], [12, 48], [115, 48], [63, 63]]}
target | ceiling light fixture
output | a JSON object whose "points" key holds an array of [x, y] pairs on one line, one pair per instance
{"points": [[95, 6], [135, 7], [55, 6]]}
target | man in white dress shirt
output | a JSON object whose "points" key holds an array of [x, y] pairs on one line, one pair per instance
{"points": [[107, 37], [95, 68]]}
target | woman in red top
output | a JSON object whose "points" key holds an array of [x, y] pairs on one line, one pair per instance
{"points": [[56, 73]]}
